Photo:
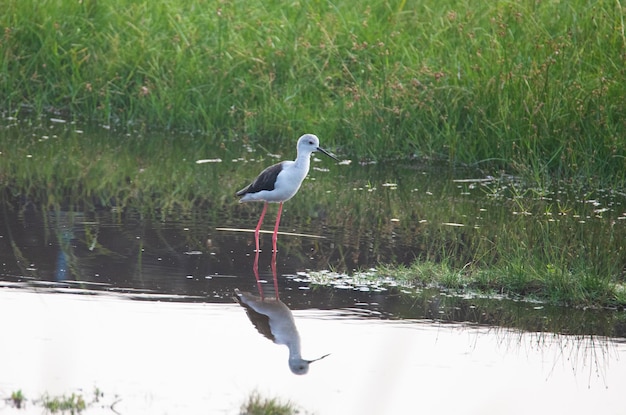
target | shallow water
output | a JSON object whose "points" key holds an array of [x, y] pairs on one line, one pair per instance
{"points": [[179, 357], [202, 256], [139, 303], [146, 315]]}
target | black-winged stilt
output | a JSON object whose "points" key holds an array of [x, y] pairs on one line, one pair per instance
{"points": [[274, 320], [280, 182]]}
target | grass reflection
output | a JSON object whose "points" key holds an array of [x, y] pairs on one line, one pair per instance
{"points": [[429, 224]]}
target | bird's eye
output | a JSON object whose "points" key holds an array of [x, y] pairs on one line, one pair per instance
{"points": [[311, 142]]}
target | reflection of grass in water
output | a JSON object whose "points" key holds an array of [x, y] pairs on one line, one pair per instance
{"points": [[257, 405], [560, 250], [68, 168], [554, 256], [586, 355], [515, 240]]}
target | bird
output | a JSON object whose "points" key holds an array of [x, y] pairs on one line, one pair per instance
{"points": [[274, 320], [280, 182]]}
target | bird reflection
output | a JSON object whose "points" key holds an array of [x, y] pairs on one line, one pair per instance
{"points": [[274, 320]]}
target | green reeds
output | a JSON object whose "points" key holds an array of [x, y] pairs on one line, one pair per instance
{"points": [[523, 248], [536, 87]]}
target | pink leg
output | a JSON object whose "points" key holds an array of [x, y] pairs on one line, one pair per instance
{"points": [[275, 235], [258, 227]]}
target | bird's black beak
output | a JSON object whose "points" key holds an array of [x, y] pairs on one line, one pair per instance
{"points": [[321, 150], [319, 358]]}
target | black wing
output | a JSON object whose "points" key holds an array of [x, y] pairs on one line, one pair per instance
{"points": [[260, 321], [264, 181]]}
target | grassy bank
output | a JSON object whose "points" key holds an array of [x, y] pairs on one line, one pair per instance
{"points": [[526, 278], [534, 86]]}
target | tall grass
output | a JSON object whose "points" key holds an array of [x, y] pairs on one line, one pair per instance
{"points": [[552, 247], [537, 87]]}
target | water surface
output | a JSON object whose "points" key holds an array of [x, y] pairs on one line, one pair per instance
{"points": [[139, 303], [198, 358]]}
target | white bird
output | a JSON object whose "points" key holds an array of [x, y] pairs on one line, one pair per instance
{"points": [[274, 320], [280, 182]]}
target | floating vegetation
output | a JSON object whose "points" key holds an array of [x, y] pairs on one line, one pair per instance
{"points": [[369, 280]]}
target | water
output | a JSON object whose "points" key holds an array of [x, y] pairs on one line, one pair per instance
{"points": [[139, 303], [198, 358]]}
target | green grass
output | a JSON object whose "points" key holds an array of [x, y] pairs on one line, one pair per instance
{"points": [[547, 244], [17, 399], [521, 277], [76, 404], [555, 258], [256, 405], [72, 404], [536, 87]]}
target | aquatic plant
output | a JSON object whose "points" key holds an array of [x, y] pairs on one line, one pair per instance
{"points": [[73, 404], [17, 399], [257, 405], [561, 241]]}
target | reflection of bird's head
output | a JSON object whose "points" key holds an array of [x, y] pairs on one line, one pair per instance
{"points": [[274, 320], [301, 366]]}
